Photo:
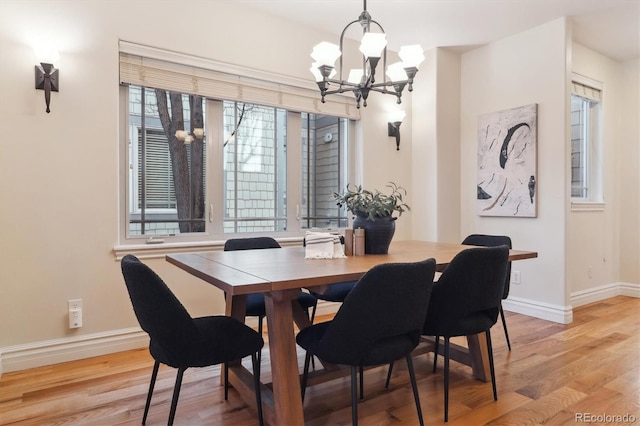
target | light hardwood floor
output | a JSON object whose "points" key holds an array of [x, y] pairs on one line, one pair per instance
{"points": [[553, 374]]}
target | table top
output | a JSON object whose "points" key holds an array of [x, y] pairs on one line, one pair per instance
{"points": [[252, 271]]}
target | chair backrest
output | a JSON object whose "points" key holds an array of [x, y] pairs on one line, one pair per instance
{"points": [[250, 243], [390, 300], [158, 310], [466, 298], [492, 241]]}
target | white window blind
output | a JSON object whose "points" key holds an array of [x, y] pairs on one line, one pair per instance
{"points": [[586, 87], [586, 91], [151, 67]]}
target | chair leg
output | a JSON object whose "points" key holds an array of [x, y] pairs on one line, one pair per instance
{"points": [[361, 383], [176, 394], [313, 315], [435, 353], [386, 384], [491, 366], [226, 381], [305, 373], [313, 312], [260, 319], [154, 375], [354, 396], [446, 379], [504, 325], [414, 385], [256, 385]]}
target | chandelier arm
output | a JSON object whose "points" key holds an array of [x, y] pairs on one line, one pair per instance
{"points": [[346, 86], [343, 83], [341, 90], [391, 83], [380, 90], [341, 44]]}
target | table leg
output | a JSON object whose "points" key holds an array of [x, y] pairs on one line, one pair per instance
{"points": [[235, 307], [479, 353], [284, 359]]}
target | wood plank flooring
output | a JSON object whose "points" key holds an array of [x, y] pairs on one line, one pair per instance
{"points": [[554, 373]]}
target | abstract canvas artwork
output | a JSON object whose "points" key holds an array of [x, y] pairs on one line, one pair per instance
{"points": [[507, 181]]}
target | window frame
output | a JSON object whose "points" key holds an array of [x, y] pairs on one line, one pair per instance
{"points": [[214, 235], [174, 71], [592, 93]]}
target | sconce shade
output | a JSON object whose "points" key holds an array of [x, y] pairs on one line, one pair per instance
{"points": [[373, 44], [355, 76], [315, 70], [397, 116], [326, 53], [47, 79], [412, 55], [396, 71]]}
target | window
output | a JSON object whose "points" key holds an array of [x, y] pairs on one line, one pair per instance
{"points": [[166, 175], [255, 173], [255, 178], [211, 149], [586, 166], [323, 154]]}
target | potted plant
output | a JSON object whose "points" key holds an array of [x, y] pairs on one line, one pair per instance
{"points": [[374, 212]]}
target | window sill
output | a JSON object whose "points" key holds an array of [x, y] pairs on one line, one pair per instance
{"points": [[150, 251], [587, 206]]}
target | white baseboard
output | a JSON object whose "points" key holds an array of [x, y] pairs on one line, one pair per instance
{"points": [[607, 291], [534, 308], [37, 354], [564, 314]]}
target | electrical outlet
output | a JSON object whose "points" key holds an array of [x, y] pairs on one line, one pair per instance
{"points": [[75, 304], [590, 272], [515, 277], [75, 313]]}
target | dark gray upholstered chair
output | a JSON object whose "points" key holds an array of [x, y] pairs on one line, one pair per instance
{"points": [[380, 321], [493, 241], [335, 293], [466, 301], [255, 301], [180, 341]]}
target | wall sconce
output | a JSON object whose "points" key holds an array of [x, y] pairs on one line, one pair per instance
{"points": [[394, 126], [47, 80]]}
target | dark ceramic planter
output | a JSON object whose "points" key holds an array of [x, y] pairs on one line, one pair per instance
{"points": [[377, 233]]}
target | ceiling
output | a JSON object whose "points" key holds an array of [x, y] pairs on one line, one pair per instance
{"points": [[611, 27]]}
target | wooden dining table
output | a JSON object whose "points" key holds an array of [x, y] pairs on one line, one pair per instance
{"points": [[280, 274]]}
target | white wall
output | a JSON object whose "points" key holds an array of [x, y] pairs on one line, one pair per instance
{"points": [[424, 155], [436, 148], [59, 202], [59, 171], [630, 174], [629, 189], [523, 69], [603, 245]]}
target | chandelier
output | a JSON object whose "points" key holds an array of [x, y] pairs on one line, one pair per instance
{"points": [[363, 81]]}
